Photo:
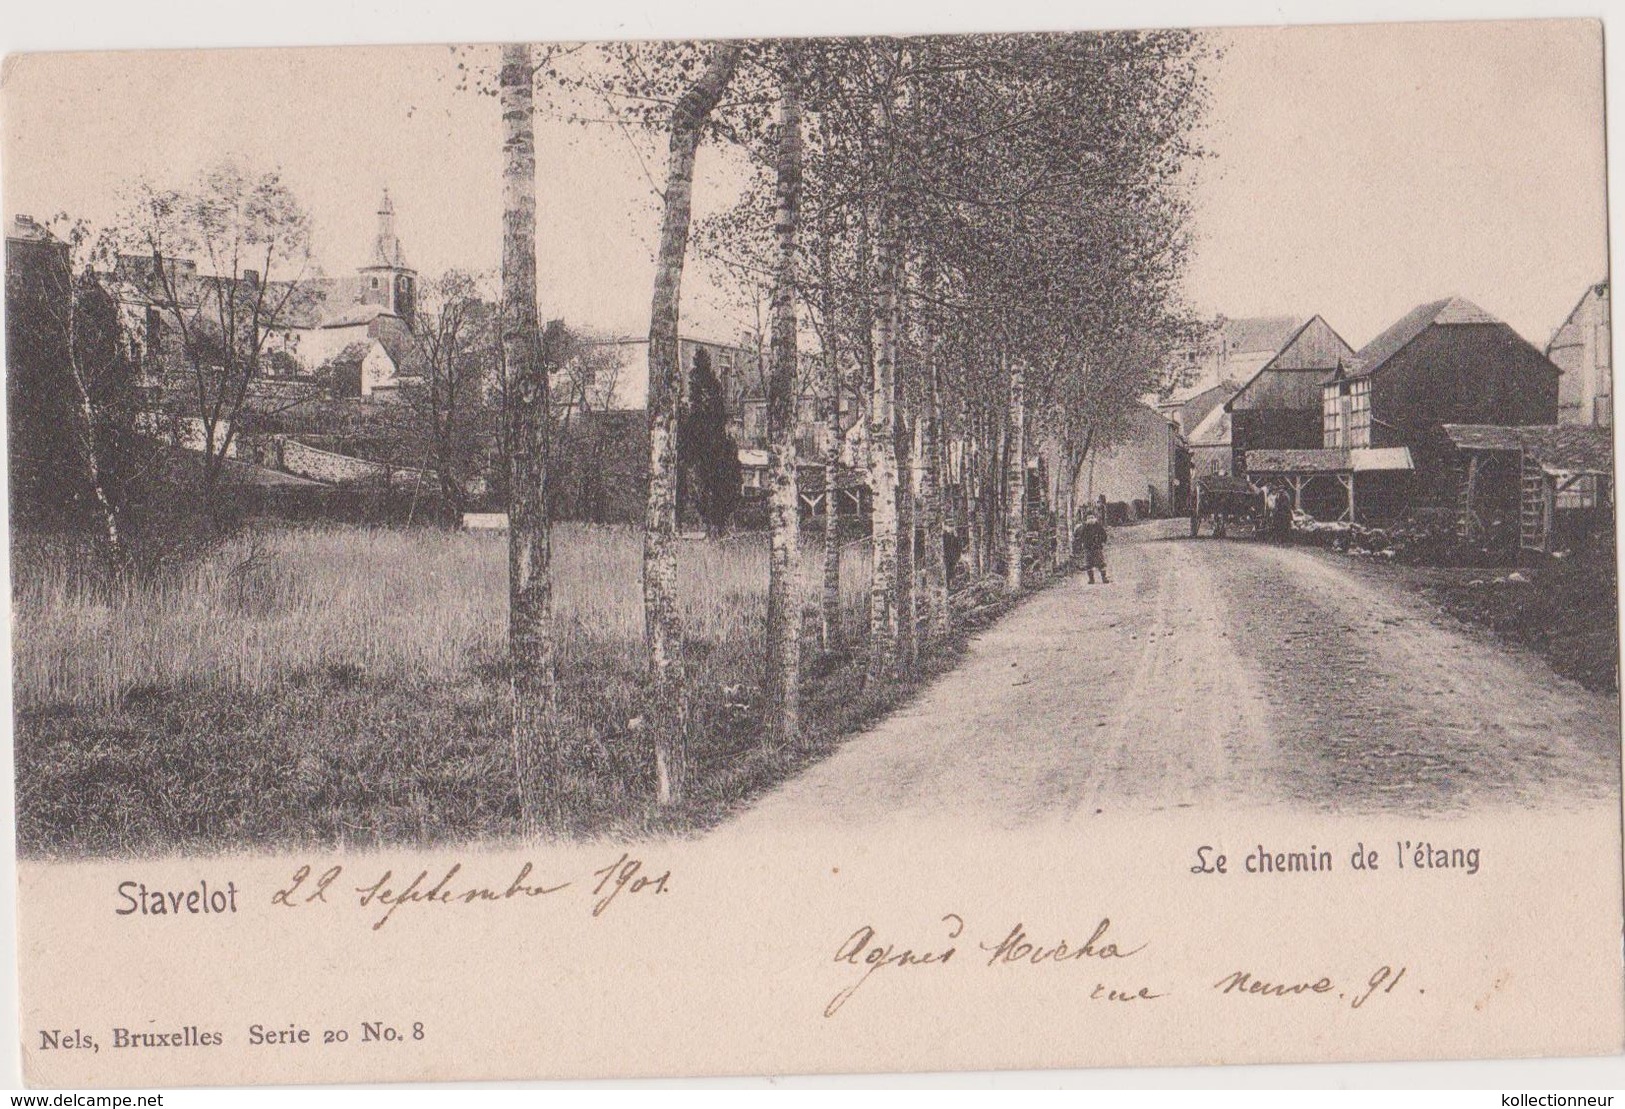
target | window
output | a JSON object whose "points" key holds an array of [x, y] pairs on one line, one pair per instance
{"points": [[1360, 414], [1581, 494], [1332, 416], [374, 282]]}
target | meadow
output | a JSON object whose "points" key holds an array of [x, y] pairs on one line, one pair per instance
{"points": [[412, 605], [340, 686]]}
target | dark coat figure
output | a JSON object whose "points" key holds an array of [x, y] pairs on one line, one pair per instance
{"points": [[1281, 517], [1091, 537]]}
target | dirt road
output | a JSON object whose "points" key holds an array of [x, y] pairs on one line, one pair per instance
{"points": [[1220, 673]]}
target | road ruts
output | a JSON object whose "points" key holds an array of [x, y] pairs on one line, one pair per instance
{"points": [[1218, 673]]}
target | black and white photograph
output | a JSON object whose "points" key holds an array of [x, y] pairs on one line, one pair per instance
{"points": [[860, 525]]}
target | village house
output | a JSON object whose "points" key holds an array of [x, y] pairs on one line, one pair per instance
{"points": [[741, 370], [1209, 376], [1384, 446], [355, 333], [1149, 462], [1202, 377], [1582, 349], [1141, 464]]}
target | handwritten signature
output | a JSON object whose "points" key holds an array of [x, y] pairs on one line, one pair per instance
{"points": [[866, 951]]}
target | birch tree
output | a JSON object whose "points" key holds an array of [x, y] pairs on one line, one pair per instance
{"points": [[783, 597], [1015, 476], [224, 264], [662, 629], [972, 203], [829, 606], [531, 647]]}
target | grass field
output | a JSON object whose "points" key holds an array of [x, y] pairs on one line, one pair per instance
{"points": [[381, 604], [342, 686]]}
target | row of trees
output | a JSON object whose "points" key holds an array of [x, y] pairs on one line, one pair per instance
{"points": [[983, 234]]}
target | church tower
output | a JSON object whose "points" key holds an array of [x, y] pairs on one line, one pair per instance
{"points": [[386, 279]]}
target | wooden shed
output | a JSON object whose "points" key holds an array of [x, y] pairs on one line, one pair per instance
{"points": [[1326, 482], [1555, 480]]}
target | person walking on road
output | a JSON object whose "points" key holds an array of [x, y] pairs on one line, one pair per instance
{"points": [[1092, 538], [1280, 513]]}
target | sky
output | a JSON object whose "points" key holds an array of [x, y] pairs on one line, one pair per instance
{"points": [[1354, 171], [1358, 172]]}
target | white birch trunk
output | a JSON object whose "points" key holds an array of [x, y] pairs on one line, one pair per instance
{"points": [[531, 657], [662, 630], [1016, 478], [830, 606], [883, 615], [783, 598], [929, 490]]}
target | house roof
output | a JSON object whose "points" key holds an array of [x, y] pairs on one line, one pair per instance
{"points": [[1449, 312], [1213, 431], [1329, 459], [354, 315], [1557, 448], [28, 229], [1597, 291], [353, 354], [1228, 341], [1297, 461], [400, 344], [1259, 333], [1189, 410], [1291, 379]]}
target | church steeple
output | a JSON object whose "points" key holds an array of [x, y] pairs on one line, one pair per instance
{"points": [[386, 248], [388, 280]]}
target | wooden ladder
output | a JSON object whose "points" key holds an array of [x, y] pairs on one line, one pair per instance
{"points": [[1532, 522], [1464, 483]]}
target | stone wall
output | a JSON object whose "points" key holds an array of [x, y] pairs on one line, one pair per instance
{"points": [[341, 469]]}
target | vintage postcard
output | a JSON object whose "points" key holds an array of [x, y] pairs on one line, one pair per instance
{"points": [[787, 556]]}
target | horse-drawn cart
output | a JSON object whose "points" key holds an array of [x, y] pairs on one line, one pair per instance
{"points": [[1227, 501]]}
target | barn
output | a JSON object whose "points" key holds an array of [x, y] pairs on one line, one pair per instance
{"points": [[1383, 412], [1279, 407], [1447, 361]]}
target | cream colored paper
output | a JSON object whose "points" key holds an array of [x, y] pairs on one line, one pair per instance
{"points": [[748, 950]]}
